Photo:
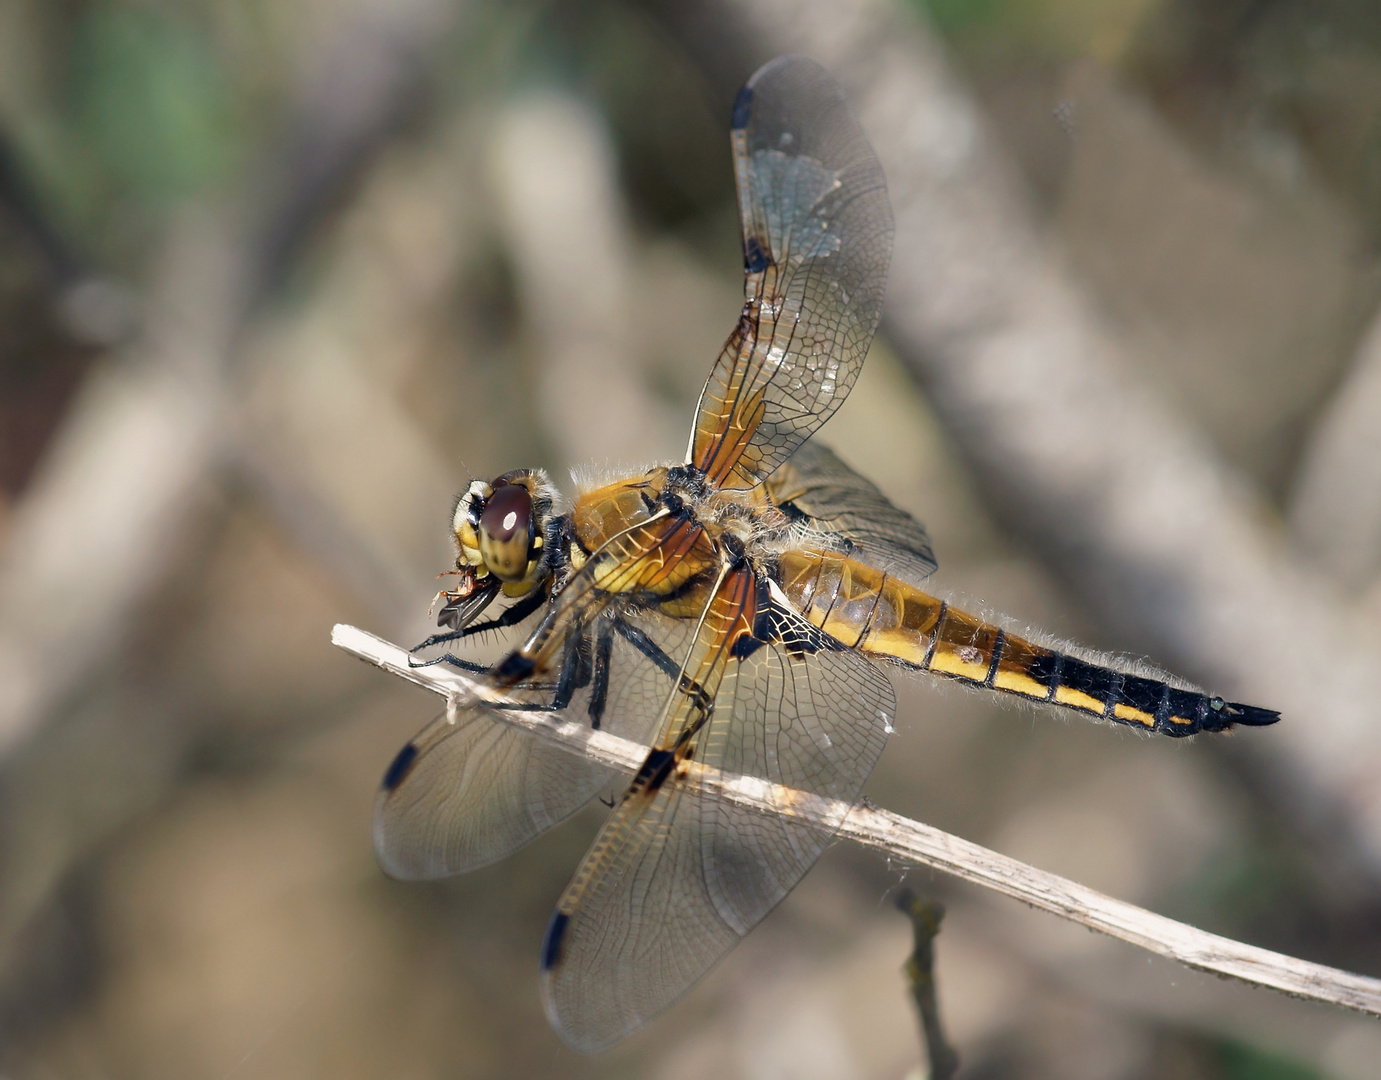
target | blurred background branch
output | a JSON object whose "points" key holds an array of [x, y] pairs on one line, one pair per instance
{"points": [[274, 277]]}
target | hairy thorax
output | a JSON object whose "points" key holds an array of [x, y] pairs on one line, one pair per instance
{"points": [[704, 530]]}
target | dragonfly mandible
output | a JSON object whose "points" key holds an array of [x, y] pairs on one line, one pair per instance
{"points": [[742, 610]]}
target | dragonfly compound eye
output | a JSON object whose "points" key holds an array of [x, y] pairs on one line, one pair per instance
{"points": [[506, 532], [465, 524]]}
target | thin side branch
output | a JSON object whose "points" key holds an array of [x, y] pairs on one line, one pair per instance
{"points": [[914, 842], [926, 915]]}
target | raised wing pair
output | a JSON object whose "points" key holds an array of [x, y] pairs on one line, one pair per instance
{"points": [[740, 610]]}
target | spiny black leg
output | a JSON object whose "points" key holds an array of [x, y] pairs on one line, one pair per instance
{"points": [[599, 692], [452, 661], [670, 667], [511, 617], [575, 673], [647, 647], [576, 669]]}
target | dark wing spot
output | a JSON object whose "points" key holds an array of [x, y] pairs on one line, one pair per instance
{"points": [[755, 260], [655, 770], [514, 668], [745, 646], [743, 105], [551, 940], [399, 769]]}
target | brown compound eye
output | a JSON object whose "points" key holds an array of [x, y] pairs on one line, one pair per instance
{"points": [[506, 532]]}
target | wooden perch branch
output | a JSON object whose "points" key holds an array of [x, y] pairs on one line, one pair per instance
{"points": [[914, 842]]}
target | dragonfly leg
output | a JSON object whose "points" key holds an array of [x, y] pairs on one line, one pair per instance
{"points": [[647, 647], [599, 691], [510, 617], [577, 669], [452, 660], [653, 652]]}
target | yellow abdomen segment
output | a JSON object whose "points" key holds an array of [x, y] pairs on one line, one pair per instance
{"points": [[866, 609]]}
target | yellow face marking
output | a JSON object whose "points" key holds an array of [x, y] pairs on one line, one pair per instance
{"points": [[1137, 716], [1077, 699], [963, 661], [1018, 682]]}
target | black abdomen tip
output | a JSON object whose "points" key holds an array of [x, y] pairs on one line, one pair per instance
{"points": [[551, 941], [1250, 715], [743, 105], [402, 765]]}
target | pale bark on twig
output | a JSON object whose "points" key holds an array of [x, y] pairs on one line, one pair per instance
{"points": [[914, 842]]}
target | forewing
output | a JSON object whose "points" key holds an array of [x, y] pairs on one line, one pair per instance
{"points": [[819, 488], [817, 241], [472, 788], [677, 877]]}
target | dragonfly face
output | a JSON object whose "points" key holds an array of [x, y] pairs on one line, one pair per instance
{"points": [[739, 610], [500, 533]]}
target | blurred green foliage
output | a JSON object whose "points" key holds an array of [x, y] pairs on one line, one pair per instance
{"points": [[958, 16], [1242, 1062], [149, 101], [139, 113]]}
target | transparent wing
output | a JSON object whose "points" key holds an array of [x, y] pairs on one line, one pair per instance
{"points": [[817, 241], [470, 788], [815, 485], [478, 790], [677, 877]]}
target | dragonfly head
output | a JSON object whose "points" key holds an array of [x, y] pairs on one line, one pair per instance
{"points": [[499, 527]]}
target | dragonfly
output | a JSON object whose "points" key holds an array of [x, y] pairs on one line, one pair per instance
{"points": [[741, 610]]}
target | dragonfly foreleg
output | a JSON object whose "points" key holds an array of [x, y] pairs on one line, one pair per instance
{"points": [[512, 616]]}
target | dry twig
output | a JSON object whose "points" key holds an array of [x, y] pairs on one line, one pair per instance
{"points": [[926, 915], [913, 842]]}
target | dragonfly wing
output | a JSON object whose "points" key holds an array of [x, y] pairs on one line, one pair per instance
{"points": [[815, 485], [471, 788], [676, 877], [817, 241], [470, 791]]}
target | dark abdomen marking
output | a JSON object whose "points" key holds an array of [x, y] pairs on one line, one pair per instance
{"points": [[867, 609]]}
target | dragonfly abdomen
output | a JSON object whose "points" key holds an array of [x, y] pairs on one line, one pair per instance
{"points": [[867, 609]]}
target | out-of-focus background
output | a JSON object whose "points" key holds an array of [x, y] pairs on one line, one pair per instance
{"points": [[277, 277]]}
